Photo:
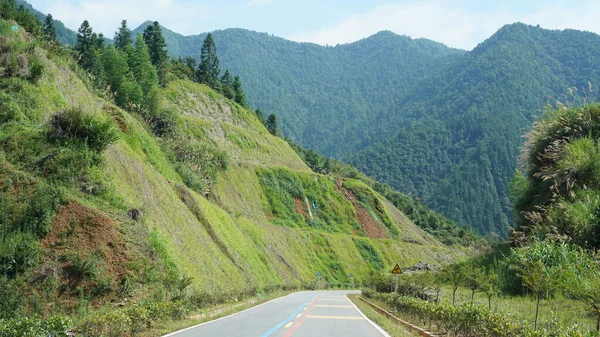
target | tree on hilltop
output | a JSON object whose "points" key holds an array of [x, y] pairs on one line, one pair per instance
{"points": [[49, 30], [272, 125], [123, 36], [208, 70], [240, 96], [157, 47]]}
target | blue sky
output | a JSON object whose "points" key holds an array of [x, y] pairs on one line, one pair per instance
{"points": [[456, 23]]}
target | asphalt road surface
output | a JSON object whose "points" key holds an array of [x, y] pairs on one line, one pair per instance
{"points": [[302, 314]]}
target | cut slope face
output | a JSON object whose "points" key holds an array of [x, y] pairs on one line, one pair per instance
{"points": [[135, 203]]}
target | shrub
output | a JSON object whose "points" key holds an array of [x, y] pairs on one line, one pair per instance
{"points": [[73, 125], [18, 252], [198, 162], [164, 122], [85, 267], [34, 326], [11, 299]]}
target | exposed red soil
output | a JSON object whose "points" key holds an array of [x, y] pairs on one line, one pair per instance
{"points": [[80, 230], [117, 117], [370, 226], [300, 207]]}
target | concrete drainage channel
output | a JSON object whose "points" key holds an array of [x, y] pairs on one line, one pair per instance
{"points": [[411, 327]]}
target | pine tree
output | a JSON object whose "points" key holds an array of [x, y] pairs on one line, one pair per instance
{"points": [[260, 115], [271, 125], [100, 41], [240, 97], [49, 30], [208, 71], [123, 36], [190, 62], [156, 45], [115, 67], [120, 79], [86, 47], [141, 66], [227, 85], [28, 21]]}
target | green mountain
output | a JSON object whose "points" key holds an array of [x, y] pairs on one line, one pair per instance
{"points": [[461, 155], [98, 206], [441, 124], [329, 98], [63, 34]]}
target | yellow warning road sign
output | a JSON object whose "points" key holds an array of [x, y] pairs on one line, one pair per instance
{"points": [[397, 270]]}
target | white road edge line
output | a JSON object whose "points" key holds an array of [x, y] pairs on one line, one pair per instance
{"points": [[383, 332], [235, 313]]}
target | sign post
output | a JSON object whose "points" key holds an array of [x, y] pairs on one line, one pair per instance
{"points": [[396, 271], [319, 276]]}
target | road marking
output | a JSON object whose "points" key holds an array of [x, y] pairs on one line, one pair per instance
{"points": [[288, 325], [333, 299], [381, 331], [275, 328], [292, 329], [229, 316], [305, 308], [355, 318], [333, 306], [299, 315]]}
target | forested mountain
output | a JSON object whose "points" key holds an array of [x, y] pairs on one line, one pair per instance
{"points": [[460, 157], [63, 34], [334, 100], [442, 124]]}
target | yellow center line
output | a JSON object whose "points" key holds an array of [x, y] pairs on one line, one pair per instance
{"points": [[288, 325], [299, 315], [333, 306], [354, 318], [305, 308], [332, 300]]}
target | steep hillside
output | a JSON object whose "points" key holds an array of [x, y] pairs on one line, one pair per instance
{"points": [[96, 207]]}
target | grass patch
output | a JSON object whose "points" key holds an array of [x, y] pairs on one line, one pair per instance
{"points": [[369, 253], [331, 211], [521, 309], [383, 321]]}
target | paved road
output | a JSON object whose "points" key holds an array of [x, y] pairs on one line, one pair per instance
{"points": [[302, 314]]}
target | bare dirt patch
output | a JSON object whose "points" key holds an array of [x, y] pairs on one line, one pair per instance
{"points": [[299, 204], [369, 225], [77, 229]]}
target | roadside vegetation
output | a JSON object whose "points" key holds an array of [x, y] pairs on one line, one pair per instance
{"points": [[544, 281]]}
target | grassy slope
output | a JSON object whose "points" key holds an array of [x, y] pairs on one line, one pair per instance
{"points": [[226, 242]]}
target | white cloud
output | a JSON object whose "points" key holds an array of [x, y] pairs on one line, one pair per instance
{"points": [[456, 27]]}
